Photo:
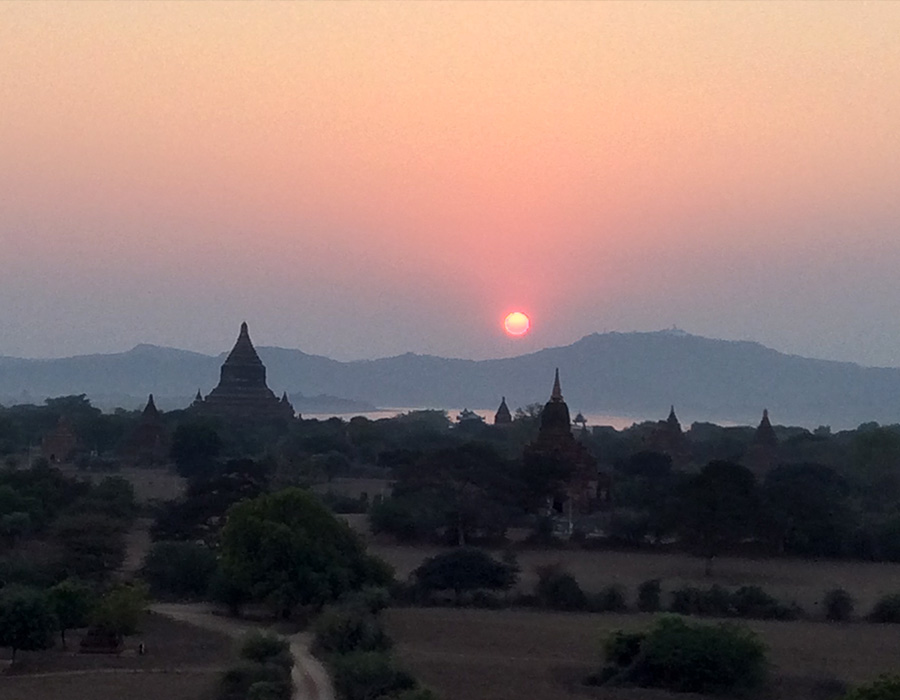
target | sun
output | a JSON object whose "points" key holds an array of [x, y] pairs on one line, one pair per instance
{"points": [[516, 323]]}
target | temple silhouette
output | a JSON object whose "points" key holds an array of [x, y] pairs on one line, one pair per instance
{"points": [[555, 443], [242, 392], [149, 443]]}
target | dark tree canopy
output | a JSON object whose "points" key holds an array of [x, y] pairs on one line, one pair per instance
{"points": [[462, 570], [27, 620], [287, 549], [719, 507]]}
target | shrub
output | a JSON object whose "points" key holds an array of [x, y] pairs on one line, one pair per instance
{"points": [[236, 683], [416, 694], [747, 601], [344, 630], [681, 657], [488, 601], [370, 599], [887, 609], [270, 690], [649, 594], [558, 589], [715, 601], [883, 688], [364, 675], [610, 599], [621, 648], [754, 602], [263, 647], [838, 605]]}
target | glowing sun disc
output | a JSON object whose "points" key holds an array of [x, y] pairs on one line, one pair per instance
{"points": [[517, 323]]}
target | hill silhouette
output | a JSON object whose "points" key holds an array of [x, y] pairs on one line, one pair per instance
{"points": [[637, 374]]}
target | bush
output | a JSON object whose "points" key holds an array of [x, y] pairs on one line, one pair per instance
{"points": [[883, 688], [344, 630], [649, 595], [753, 602], [621, 648], [263, 647], [371, 599], [558, 589], [838, 605], [182, 569], [610, 599], [270, 690], [236, 683], [681, 657], [715, 601], [365, 675], [887, 609], [747, 602]]}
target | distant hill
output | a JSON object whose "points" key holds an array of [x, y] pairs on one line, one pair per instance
{"points": [[636, 374]]}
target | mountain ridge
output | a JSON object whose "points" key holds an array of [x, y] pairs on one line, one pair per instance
{"points": [[637, 373]]}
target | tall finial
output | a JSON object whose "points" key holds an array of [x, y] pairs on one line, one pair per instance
{"points": [[556, 394], [243, 328]]}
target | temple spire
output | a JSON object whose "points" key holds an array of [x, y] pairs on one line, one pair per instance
{"points": [[150, 409], [503, 416], [765, 433], [556, 394]]}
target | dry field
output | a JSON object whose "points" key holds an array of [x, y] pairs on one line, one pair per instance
{"points": [[510, 654], [182, 662], [150, 484], [803, 581]]}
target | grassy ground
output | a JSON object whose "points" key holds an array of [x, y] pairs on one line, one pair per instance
{"points": [[507, 654], [803, 581]]}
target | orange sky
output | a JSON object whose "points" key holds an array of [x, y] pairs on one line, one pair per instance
{"points": [[362, 179]]}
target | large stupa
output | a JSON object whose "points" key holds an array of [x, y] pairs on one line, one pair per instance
{"points": [[242, 391]]}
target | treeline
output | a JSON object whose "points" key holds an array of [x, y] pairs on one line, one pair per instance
{"points": [[61, 541], [814, 493]]}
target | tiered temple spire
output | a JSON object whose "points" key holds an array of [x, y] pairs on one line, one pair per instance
{"points": [[242, 391]]}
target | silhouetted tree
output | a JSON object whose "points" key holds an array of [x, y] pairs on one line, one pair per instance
{"points": [[719, 507]]}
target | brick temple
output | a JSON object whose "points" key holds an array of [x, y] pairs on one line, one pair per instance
{"points": [[242, 392]]}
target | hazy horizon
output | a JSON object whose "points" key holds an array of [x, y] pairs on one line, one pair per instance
{"points": [[360, 180], [226, 350]]}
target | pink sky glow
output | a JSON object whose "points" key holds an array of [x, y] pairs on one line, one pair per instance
{"points": [[363, 179]]}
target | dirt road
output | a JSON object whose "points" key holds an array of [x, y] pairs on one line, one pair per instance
{"points": [[311, 680]]}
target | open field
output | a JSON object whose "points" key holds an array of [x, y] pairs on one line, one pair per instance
{"points": [[188, 685], [182, 662], [803, 581], [150, 484], [507, 654]]}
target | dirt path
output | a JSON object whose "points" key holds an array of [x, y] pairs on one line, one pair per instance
{"points": [[311, 680]]}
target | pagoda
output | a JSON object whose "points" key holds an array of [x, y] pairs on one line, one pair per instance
{"points": [[503, 416], [148, 443], [765, 433], [555, 443], [762, 454], [242, 392]]}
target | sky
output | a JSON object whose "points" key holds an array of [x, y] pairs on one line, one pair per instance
{"points": [[360, 180]]}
